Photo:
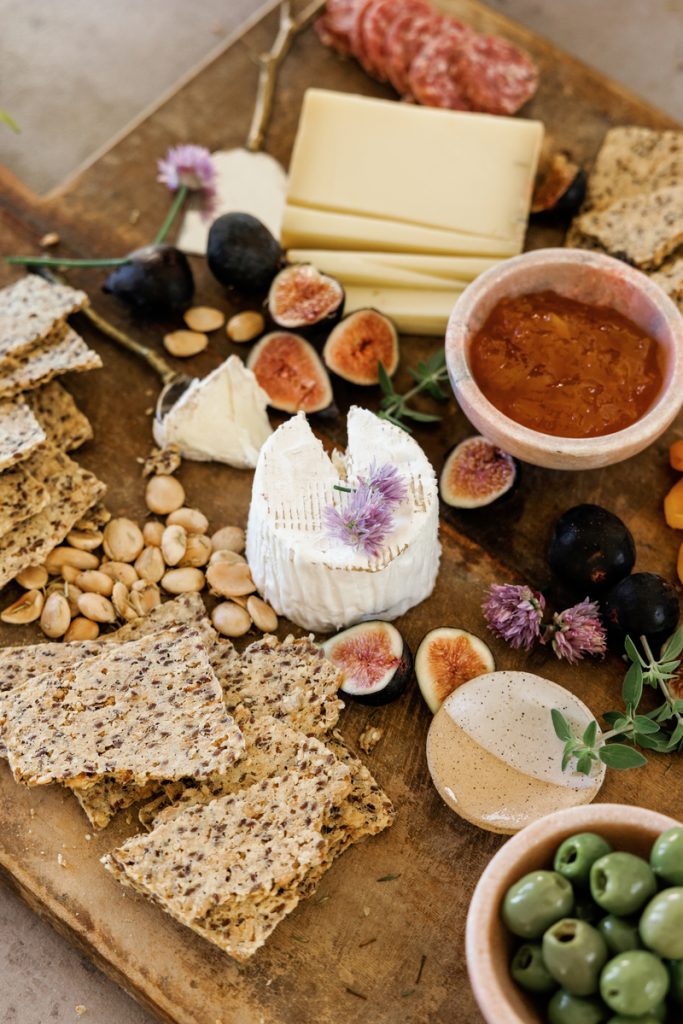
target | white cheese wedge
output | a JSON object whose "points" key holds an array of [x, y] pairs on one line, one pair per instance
{"points": [[389, 270], [420, 165], [324, 229], [413, 310], [314, 579], [221, 418]]}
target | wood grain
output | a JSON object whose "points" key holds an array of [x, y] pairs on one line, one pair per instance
{"points": [[353, 956]]}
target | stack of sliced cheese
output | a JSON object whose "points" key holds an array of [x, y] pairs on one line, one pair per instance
{"points": [[404, 204]]}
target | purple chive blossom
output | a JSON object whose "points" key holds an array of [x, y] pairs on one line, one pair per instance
{"points": [[192, 167], [386, 480], [576, 632], [364, 523], [514, 614]]}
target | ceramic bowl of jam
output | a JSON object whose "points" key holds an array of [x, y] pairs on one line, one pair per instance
{"points": [[567, 358]]}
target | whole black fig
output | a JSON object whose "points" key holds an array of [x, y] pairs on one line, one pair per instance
{"points": [[154, 279], [591, 549], [242, 253], [643, 604]]}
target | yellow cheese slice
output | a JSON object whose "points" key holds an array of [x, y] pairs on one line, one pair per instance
{"points": [[325, 229], [413, 310], [417, 165], [394, 270]]}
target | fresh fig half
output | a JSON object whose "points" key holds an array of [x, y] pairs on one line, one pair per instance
{"points": [[154, 279], [291, 373], [447, 658], [359, 343], [303, 299], [561, 190], [375, 660], [476, 473]]}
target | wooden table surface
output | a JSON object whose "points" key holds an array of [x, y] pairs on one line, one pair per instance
{"points": [[369, 936]]}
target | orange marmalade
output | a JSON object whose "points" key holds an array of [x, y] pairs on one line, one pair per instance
{"points": [[565, 368]]}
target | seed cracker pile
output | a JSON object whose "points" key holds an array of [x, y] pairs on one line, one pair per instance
{"points": [[43, 493], [246, 789]]}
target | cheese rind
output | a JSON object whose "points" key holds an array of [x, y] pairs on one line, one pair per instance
{"points": [[314, 579], [394, 270], [413, 310]]}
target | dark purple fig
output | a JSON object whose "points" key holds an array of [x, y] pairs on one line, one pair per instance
{"points": [[562, 190], [242, 253], [375, 661], [289, 370], [643, 604], [476, 473], [591, 549], [359, 343], [303, 299], [155, 279], [447, 658]]}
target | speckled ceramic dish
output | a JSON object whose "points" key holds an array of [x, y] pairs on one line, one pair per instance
{"points": [[587, 277], [488, 944]]}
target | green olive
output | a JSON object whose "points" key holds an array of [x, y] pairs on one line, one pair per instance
{"points": [[666, 857], [654, 1017], [529, 971], [535, 902], [622, 883], [586, 909], [564, 1008], [576, 855], [619, 933], [676, 978], [574, 952], [661, 926], [634, 983]]}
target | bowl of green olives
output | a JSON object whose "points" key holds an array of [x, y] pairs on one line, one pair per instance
{"points": [[578, 919]]}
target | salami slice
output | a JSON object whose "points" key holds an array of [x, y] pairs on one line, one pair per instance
{"points": [[335, 25], [405, 38], [497, 78], [434, 75], [357, 41], [375, 25]]}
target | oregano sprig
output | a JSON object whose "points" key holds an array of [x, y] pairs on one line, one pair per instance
{"points": [[429, 376]]}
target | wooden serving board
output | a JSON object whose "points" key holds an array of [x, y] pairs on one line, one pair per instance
{"points": [[353, 953]]}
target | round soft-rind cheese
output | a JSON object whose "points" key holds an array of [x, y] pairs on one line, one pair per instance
{"points": [[314, 579]]}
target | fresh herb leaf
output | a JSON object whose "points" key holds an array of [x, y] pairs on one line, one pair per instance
{"points": [[584, 764], [621, 757], [674, 645], [421, 417], [384, 380], [645, 725], [590, 734], [561, 725], [632, 690]]}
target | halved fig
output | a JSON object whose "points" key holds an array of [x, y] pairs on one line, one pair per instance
{"points": [[303, 299], [291, 373], [476, 473], [561, 190], [359, 343], [375, 660], [447, 658]]}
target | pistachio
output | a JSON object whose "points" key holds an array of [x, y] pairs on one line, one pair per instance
{"points": [[144, 597], [173, 544], [32, 578], [120, 571], [96, 607], [96, 582], [55, 616], [230, 580], [263, 615], [230, 620], [26, 608], [164, 494], [123, 540], [182, 581], [152, 533], [224, 555], [149, 565], [183, 344], [198, 551], [229, 538], [191, 519], [245, 326], [120, 598], [61, 556], [203, 318], [82, 629], [84, 540]]}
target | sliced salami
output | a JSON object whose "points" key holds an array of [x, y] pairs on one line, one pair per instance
{"points": [[357, 41], [405, 38], [376, 23], [497, 77], [336, 24], [434, 75]]}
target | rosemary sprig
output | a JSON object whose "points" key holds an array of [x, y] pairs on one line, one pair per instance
{"points": [[660, 730], [429, 376]]}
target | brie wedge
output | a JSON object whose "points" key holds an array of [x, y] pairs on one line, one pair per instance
{"points": [[315, 579], [220, 418]]}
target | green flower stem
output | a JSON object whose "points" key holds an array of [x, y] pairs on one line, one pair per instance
{"points": [[56, 261], [179, 199]]}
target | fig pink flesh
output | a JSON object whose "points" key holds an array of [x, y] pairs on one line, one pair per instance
{"points": [[366, 658], [479, 469]]}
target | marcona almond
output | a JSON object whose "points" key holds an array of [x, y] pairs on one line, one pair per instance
{"points": [[241, 600], [149, 565], [173, 544], [96, 582], [122, 540], [183, 344], [121, 601], [84, 540], [263, 615], [26, 608], [229, 538], [197, 552], [153, 532], [224, 555], [230, 580], [191, 519], [82, 629], [70, 573], [183, 581], [164, 494], [55, 616], [32, 578], [72, 593], [62, 556], [245, 326], [96, 607], [230, 620], [203, 318], [121, 571], [144, 597]]}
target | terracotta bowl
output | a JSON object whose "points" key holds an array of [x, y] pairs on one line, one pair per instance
{"points": [[489, 946], [587, 277]]}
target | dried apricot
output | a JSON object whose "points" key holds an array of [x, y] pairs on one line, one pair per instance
{"points": [[673, 506], [676, 455], [679, 567]]}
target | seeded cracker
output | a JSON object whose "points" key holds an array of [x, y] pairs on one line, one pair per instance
{"points": [[22, 495], [642, 229], [632, 161], [62, 351], [670, 278], [59, 416], [29, 310], [20, 433]]}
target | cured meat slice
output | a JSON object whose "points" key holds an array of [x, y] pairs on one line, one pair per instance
{"points": [[374, 27], [336, 24], [497, 77], [406, 36], [434, 76]]}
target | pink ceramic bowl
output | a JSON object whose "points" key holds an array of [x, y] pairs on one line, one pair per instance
{"points": [[489, 946], [587, 277]]}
